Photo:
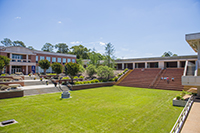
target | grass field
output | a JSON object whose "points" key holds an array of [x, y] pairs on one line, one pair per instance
{"points": [[105, 109]]}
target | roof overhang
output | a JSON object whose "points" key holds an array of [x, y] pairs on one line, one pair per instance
{"points": [[193, 40]]}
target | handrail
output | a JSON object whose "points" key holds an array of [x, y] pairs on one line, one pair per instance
{"points": [[196, 69], [156, 78], [122, 75], [182, 117], [185, 69]]}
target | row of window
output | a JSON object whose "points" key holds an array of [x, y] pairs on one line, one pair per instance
{"points": [[54, 59]]}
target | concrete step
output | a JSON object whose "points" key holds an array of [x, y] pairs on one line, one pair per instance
{"points": [[35, 82]]}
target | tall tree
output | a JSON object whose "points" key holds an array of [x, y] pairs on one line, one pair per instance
{"points": [[48, 47], [19, 43], [7, 42], [44, 64], [80, 51], [72, 70], [4, 61], [168, 54], [30, 47], [57, 67], [109, 55], [62, 48], [94, 58]]}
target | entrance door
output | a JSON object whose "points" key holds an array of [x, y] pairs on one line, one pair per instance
{"points": [[16, 69]]}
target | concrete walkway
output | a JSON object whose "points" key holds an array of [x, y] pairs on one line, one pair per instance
{"points": [[192, 123]]}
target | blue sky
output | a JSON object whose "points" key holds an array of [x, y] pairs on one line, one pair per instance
{"points": [[136, 28]]}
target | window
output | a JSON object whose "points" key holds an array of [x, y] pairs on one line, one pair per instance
{"points": [[48, 58], [41, 57], [36, 58], [68, 60], [59, 60], [16, 56], [64, 61], [53, 59], [73, 60]]}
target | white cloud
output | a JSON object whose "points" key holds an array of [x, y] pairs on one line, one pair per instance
{"points": [[17, 17], [102, 43], [75, 42], [59, 22]]}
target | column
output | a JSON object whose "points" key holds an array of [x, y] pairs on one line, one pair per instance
{"points": [[10, 68], [27, 58], [178, 64], [10, 56], [133, 65], [26, 69], [122, 66], [161, 64], [117, 66], [145, 64]]}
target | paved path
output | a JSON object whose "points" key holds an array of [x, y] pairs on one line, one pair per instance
{"points": [[192, 123]]}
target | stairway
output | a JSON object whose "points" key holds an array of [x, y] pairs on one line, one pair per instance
{"points": [[124, 76]]}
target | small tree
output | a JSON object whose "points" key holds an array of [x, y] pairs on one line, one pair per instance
{"points": [[91, 70], [57, 67], [44, 64], [4, 61], [81, 69], [105, 72], [72, 70]]}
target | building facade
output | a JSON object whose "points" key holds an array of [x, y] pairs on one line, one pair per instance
{"points": [[26, 61]]}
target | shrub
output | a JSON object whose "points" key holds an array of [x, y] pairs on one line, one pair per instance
{"points": [[3, 74], [105, 72], [103, 80], [57, 67], [81, 77], [125, 69], [76, 83], [115, 78], [91, 70], [65, 78], [92, 81], [76, 77], [120, 74], [179, 97], [96, 80]]}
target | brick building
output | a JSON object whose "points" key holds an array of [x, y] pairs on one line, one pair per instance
{"points": [[26, 60]]}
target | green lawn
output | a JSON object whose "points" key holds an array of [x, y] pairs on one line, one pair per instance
{"points": [[105, 109]]}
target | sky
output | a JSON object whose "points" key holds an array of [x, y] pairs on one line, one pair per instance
{"points": [[136, 28]]}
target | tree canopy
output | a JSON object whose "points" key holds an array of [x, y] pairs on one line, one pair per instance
{"points": [[72, 69], [168, 54], [105, 72], [44, 64], [109, 55], [30, 47], [19, 43], [80, 51], [7, 42], [4, 61], [48, 47], [57, 67], [62, 48], [91, 70]]}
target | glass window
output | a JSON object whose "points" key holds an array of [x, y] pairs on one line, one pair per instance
{"points": [[73, 60], [68, 60], [16, 56], [48, 58], [64, 60], [59, 60], [41, 57], [53, 59], [36, 58]]}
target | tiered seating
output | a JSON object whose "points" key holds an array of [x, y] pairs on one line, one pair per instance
{"points": [[140, 77], [175, 73]]}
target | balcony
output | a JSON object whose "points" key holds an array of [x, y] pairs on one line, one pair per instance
{"points": [[20, 60]]}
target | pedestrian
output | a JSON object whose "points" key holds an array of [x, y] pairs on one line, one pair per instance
{"points": [[167, 79]]}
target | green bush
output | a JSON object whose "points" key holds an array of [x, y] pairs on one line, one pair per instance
{"points": [[92, 81], [76, 77], [3, 74], [179, 97], [105, 72], [125, 69], [65, 78], [91, 70], [120, 74], [81, 77], [103, 80], [77, 83], [186, 92], [51, 74], [115, 78], [96, 80]]}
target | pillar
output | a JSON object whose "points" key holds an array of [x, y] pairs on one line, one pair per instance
{"points": [[122, 66], [27, 58], [178, 64], [161, 64], [26, 69], [10, 55], [10, 68], [133, 65], [145, 64]]}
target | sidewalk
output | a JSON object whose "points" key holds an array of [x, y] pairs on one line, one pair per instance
{"points": [[192, 123]]}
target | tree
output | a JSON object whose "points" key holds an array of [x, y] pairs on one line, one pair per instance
{"points": [[105, 72], [44, 64], [4, 61], [81, 69], [30, 47], [57, 67], [62, 48], [168, 54], [72, 70], [79, 61], [19, 43], [7, 42], [48, 47], [80, 51], [109, 58], [94, 58], [91, 70]]}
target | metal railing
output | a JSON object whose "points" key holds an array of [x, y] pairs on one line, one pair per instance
{"points": [[122, 75], [181, 119], [152, 84]]}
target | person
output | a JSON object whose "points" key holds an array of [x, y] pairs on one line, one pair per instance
{"points": [[161, 78], [172, 79], [167, 79]]}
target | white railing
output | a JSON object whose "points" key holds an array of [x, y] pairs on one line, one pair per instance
{"points": [[185, 69], [181, 119]]}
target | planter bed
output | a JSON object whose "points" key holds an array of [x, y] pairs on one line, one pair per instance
{"points": [[13, 82], [180, 103], [11, 94], [87, 86]]}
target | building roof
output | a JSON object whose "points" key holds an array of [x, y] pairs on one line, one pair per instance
{"points": [[193, 40]]}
